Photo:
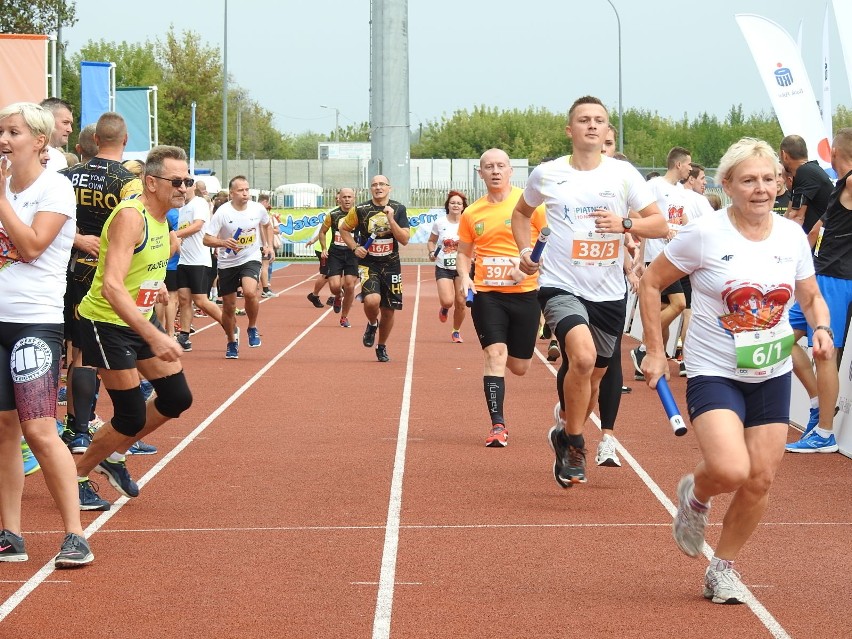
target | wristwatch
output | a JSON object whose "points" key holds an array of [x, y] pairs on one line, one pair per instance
{"points": [[627, 223], [827, 329]]}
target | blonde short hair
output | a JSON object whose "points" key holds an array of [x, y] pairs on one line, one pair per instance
{"points": [[742, 150], [39, 120]]}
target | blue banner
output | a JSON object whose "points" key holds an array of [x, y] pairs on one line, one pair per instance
{"points": [[94, 91], [135, 107]]}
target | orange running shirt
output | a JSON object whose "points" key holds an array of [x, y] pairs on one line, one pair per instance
{"points": [[488, 227]]}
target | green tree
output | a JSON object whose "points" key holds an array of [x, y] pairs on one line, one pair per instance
{"points": [[36, 16], [191, 72]]}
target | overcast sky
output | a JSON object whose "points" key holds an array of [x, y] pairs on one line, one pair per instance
{"points": [[678, 57]]}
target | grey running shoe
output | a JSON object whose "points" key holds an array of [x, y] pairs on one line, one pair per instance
{"points": [[689, 524], [183, 341], [75, 552], [723, 586], [12, 547], [606, 452]]}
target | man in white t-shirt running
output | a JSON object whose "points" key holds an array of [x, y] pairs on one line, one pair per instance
{"points": [[582, 288], [193, 272], [240, 230], [672, 202]]}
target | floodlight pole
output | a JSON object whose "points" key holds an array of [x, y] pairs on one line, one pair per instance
{"points": [[620, 112], [225, 100]]}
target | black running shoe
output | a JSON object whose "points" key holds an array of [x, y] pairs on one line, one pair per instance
{"points": [[382, 353], [559, 443], [75, 552], [315, 300], [370, 335], [12, 547]]}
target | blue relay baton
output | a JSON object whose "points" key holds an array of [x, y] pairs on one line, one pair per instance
{"points": [[236, 235], [540, 243], [675, 419], [369, 242], [469, 299]]}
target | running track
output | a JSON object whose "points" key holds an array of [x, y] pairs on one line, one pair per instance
{"points": [[314, 492]]}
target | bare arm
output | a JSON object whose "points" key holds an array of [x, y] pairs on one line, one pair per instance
{"points": [[431, 246], [400, 233], [521, 215], [657, 277]]}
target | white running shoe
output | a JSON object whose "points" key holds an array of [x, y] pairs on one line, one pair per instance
{"points": [[689, 524], [606, 452], [723, 586]]}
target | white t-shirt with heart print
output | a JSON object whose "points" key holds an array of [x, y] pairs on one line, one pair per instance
{"points": [[741, 291]]}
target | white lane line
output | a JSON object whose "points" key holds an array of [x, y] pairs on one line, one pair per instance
{"points": [[763, 615], [384, 599], [19, 595]]}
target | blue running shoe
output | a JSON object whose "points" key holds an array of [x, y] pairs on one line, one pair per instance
{"points": [[62, 396], [147, 389], [80, 443], [119, 478], [813, 421], [60, 427], [813, 442], [89, 498], [253, 337], [232, 351], [31, 464], [141, 448]]}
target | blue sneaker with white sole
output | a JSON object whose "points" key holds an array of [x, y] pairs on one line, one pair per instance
{"points": [[253, 337], [813, 442]]}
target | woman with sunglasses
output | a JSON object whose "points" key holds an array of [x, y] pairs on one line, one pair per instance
{"points": [[37, 213]]}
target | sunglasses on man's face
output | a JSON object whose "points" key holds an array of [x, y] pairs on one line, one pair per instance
{"points": [[176, 182]]}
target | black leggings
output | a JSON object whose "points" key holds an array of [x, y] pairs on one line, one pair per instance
{"points": [[609, 396]]}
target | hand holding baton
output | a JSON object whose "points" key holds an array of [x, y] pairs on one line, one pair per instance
{"points": [[675, 419], [236, 235], [535, 256]]}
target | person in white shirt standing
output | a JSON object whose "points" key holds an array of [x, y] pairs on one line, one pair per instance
{"points": [[193, 273], [240, 229], [37, 214]]}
